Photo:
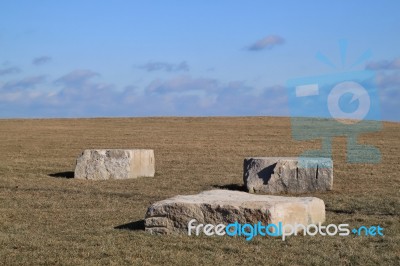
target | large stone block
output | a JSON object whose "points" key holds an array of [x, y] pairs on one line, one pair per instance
{"points": [[225, 206], [115, 164], [287, 175]]}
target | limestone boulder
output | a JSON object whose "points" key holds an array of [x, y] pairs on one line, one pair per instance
{"points": [[287, 175], [104, 164], [224, 206]]}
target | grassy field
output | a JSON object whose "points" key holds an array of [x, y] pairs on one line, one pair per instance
{"points": [[47, 217]]}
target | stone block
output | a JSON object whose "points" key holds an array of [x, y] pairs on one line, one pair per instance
{"points": [[101, 164], [287, 175], [215, 207]]}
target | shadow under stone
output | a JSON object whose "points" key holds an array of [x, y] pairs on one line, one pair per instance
{"points": [[235, 187], [135, 226], [68, 174]]}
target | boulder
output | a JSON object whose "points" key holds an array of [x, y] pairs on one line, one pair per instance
{"points": [[226, 206], [115, 164], [287, 175]]}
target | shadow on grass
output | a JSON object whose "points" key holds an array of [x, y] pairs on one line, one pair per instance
{"points": [[68, 174], [236, 187], [135, 226], [339, 211]]}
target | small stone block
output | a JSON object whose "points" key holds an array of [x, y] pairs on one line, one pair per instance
{"points": [[115, 164]]}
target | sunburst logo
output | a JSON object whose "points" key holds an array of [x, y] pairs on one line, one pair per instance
{"points": [[343, 103], [360, 96]]}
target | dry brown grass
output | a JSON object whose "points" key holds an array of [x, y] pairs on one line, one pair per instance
{"points": [[55, 220]]}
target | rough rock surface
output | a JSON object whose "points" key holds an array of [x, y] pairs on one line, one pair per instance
{"points": [[287, 175], [226, 206], [115, 164]]}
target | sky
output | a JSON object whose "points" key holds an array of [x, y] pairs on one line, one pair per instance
{"points": [[195, 58]]}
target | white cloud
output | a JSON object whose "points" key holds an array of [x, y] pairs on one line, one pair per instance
{"points": [[384, 64], [181, 84], [82, 96], [9, 70], [164, 66], [41, 60], [23, 84], [76, 77], [267, 42]]}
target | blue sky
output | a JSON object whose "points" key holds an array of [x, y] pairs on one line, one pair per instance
{"points": [[187, 58]]}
